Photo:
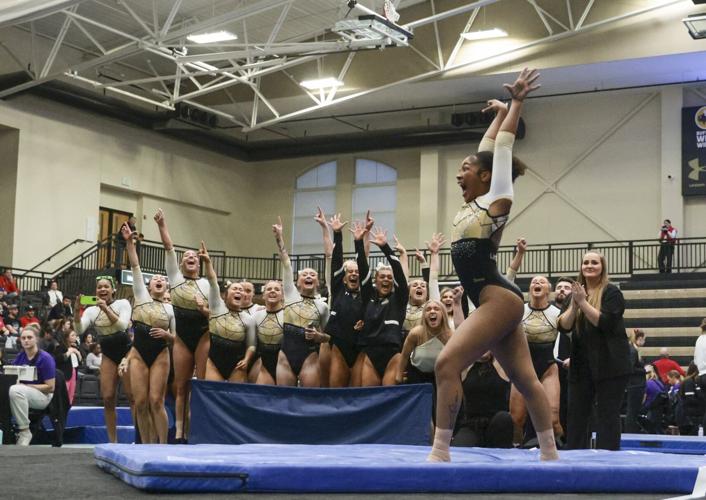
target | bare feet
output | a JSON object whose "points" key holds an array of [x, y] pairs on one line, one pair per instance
{"points": [[438, 456]]}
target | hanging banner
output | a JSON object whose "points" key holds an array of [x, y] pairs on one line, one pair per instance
{"points": [[693, 152]]}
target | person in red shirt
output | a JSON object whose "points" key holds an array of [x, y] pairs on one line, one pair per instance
{"points": [[9, 283], [664, 365], [29, 317]]}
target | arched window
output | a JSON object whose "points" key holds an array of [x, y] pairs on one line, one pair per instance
{"points": [[315, 187], [375, 189]]}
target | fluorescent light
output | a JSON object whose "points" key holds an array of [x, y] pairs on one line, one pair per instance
{"points": [[696, 24], [321, 83], [216, 36], [484, 34], [204, 66]]}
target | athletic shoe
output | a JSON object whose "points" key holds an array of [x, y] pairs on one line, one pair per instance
{"points": [[24, 438]]}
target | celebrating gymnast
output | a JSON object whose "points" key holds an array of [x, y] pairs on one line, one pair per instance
{"points": [[154, 325], [486, 181]]}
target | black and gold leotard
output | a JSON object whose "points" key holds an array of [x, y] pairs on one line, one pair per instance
{"points": [[269, 337], [540, 326], [112, 337], [191, 324]]}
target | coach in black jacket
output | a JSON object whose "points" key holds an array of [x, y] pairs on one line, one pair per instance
{"points": [[600, 356]]}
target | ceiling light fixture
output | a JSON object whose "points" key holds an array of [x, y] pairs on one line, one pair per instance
{"points": [[696, 24], [321, 83], [216, 36], [484, 34]]}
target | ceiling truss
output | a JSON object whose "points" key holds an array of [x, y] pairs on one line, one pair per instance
{"points": [[197, 72]]}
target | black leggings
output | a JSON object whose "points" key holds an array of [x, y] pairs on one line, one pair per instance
{"points": [[608, 396], [484, 432]]}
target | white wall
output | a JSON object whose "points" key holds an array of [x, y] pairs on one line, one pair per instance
{"points": [[9, 139], [71, 162]]}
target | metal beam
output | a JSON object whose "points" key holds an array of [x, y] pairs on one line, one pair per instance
{"points": [[235, 15], [137, 18], [341, 75], [278, 25], [450, 13], [570, 14], [541, 16], [431, 74], [436, 36], [170, 19], [459, 42], [583, 17], [125, 93], [90, 37], [57, 45]]}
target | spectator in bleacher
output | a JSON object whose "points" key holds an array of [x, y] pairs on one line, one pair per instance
{"points": [[61, 310], [34, 395], [53, 296], [29, 317], [635, 394], [47, 339], [86, 342], [120, 241], [4, 332], [665, 364], [9, 284], [674, 381], [656, 401], [12, 323], [93, 359], [562, 299], [667, 240], [600, 355], [690, 403], [700, 354], [67, 358]]}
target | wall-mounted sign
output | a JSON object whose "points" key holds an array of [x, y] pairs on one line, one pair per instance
{"points": [[693, 151]]}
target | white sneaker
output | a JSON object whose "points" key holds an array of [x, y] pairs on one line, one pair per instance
{"points": [[24, 438]]}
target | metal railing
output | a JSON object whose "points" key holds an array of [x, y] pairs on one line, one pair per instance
{"points": [[625, 258]]}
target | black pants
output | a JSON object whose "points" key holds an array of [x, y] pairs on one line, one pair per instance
{"points": [[666, 251], [495, 432], [633, 396], [607, 395]]}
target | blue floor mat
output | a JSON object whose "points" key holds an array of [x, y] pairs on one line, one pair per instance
{"points": [[391, 468], [683, 445]]}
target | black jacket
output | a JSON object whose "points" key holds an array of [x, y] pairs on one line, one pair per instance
{"points": [[602, 351]]}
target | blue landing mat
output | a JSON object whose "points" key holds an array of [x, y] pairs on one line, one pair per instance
{"points": [[683, 445], [391, 468]]}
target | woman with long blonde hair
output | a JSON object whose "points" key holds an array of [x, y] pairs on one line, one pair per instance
{"points": [[600, 355]]}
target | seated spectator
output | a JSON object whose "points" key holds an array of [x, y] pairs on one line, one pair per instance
{"points": [[484, 419], [85, 346], [690, 403], [47, 339], [29, 317], [12, 323], [93, 360], [656, 402], [664, 364], [9, 284], [53, 296], [4, 332], [36, 394], [674, 381], [63, 309]]}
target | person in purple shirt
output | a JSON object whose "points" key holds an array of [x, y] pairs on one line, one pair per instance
{"points": [[36, 394]]}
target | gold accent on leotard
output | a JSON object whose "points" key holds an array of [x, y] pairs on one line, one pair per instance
{"points": [[538, 328], [473, 221], [183, 295], [229, 326], [151, 313], [103, 325], [413, 317], [302, 313], [269, 331]]}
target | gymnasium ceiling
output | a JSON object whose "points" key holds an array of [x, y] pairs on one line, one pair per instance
{"points": [[132, 56]]}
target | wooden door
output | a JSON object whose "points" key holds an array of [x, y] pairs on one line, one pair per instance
{"points": [[110, 222]]}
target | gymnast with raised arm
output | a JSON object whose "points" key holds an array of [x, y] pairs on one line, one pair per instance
{"points": [[232, 345], [385, 307], [305, 317], [189, 293], [269, 323], [154, 326], [486, 181]]}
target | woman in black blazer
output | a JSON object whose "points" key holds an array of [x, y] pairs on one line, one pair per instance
{"points": [[600, 356]]}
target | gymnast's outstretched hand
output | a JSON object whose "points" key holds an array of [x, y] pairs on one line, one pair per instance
{"points": [[524, 84]]}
